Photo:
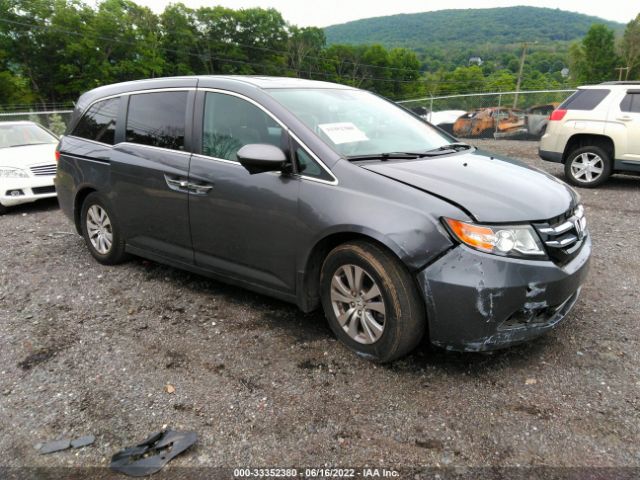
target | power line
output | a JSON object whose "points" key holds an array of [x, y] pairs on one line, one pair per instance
{"points": [[284, 52], [244, 62], [200, 56]]}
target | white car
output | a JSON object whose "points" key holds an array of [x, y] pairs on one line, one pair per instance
{"points": [[595, 133], [27, 163]]}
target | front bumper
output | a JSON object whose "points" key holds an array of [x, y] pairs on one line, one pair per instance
{"points": [[549, 156], [478, 301], [30, 188]]}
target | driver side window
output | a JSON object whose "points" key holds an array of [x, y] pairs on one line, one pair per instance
{"points": [[230, 123]]}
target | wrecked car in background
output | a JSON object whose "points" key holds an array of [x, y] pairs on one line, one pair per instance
{"points": [[492, 122], [444, 119], [326, 195], [536, 118]]}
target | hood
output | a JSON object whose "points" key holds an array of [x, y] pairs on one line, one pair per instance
{"points": [[21, 157], [492, 189]]}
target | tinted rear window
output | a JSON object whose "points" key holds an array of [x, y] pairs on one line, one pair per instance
{"points": [[631, 102], [585, 99], [157, 119], [99, 121]]}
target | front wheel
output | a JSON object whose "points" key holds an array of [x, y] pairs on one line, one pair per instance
{"points": [[101, 231], [371, 301], [588, 167]]}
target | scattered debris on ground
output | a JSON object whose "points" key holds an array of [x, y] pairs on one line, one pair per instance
{"points": [[154, 453]]}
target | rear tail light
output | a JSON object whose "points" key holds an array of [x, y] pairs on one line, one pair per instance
{"points": [[57, 155], [557, 115]]}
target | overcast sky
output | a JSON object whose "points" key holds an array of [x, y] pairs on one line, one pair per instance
{"points": [[321, 13]]}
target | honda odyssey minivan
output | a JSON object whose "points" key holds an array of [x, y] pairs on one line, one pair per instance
{"points": [[325, 195]]}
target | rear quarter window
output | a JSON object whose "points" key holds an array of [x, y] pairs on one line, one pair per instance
{"points": [[631, 102], [99, 122], [157, 119], [587, 99]]}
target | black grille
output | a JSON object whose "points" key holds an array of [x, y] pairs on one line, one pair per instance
{"points": [[44, 170], [564, 235], [42, 190]]}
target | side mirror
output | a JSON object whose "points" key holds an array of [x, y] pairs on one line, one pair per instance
{"points": [[261, 157]]}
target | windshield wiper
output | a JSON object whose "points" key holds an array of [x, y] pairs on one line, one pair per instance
{"points": [[387, 156], [443, 150], [451, 147]]}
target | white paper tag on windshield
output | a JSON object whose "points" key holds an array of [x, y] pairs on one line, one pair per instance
{"points": [[343, 132]]}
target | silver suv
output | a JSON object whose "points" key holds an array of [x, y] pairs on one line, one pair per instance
{"points": [[595, 133]]}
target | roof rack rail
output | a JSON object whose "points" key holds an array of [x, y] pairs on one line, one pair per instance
{"points": [[622, 82]]}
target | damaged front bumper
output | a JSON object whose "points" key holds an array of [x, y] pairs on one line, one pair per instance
{"points": [[477, 301]]}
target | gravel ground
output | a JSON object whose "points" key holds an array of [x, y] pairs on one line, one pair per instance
{"points": [[87, 348]]}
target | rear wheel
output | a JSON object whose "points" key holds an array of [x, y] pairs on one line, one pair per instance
{"points": [[101, 231], [588, 167], [371, 301], [3, 209]]}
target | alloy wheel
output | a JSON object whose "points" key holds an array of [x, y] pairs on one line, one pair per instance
{"points": [[358, 304], [587, 167], [99, 229]]}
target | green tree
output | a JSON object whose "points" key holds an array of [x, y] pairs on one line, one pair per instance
{"points": [[56, 124], [304, 48], [594, 59], [179, 40], [630, 48]]}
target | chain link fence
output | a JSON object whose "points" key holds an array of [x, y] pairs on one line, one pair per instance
{"points": [[521, 114], [521, 103]]}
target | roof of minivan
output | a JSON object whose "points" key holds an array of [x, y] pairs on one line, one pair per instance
{"points": [[276, 82], [241, 81]]}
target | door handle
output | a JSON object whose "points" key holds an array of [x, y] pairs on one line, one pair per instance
{"points": [[199, 189], [625, 118], [176, 183]]}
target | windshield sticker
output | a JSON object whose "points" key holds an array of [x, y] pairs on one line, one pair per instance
{"points": [[343, 132]]}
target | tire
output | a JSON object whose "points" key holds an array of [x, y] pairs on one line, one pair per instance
{"points": [[598, 171], [398, 308], [3, 209], [103, 238]]}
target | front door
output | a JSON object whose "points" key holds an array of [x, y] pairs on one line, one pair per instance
{"points": [[245, 226]]}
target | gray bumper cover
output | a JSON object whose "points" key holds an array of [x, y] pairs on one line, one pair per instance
{"points": [[477, 301]]}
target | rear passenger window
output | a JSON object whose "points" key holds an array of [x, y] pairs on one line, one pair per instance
{"points": [[230, 123], [157, 119], [631, 102], [587, 99], [99, 122]]}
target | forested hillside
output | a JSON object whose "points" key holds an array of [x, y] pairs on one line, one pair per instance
{"points": [[51, 52], [448, 38]]}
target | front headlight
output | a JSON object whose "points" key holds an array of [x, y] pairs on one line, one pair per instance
{"points": [[506, 240], [10, 172]]}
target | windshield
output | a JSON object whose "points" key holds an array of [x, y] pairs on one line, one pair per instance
{"points": [[358, 123], [21, 134]]}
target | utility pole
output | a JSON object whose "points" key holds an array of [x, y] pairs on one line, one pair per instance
{"points": [[524, 54]]}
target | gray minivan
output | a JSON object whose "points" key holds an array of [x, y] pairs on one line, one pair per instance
{"points": [[323, 194]]}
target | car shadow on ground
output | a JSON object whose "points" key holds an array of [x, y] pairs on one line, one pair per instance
{"points": [[311, 327], [617, 182], [44, 205]]}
